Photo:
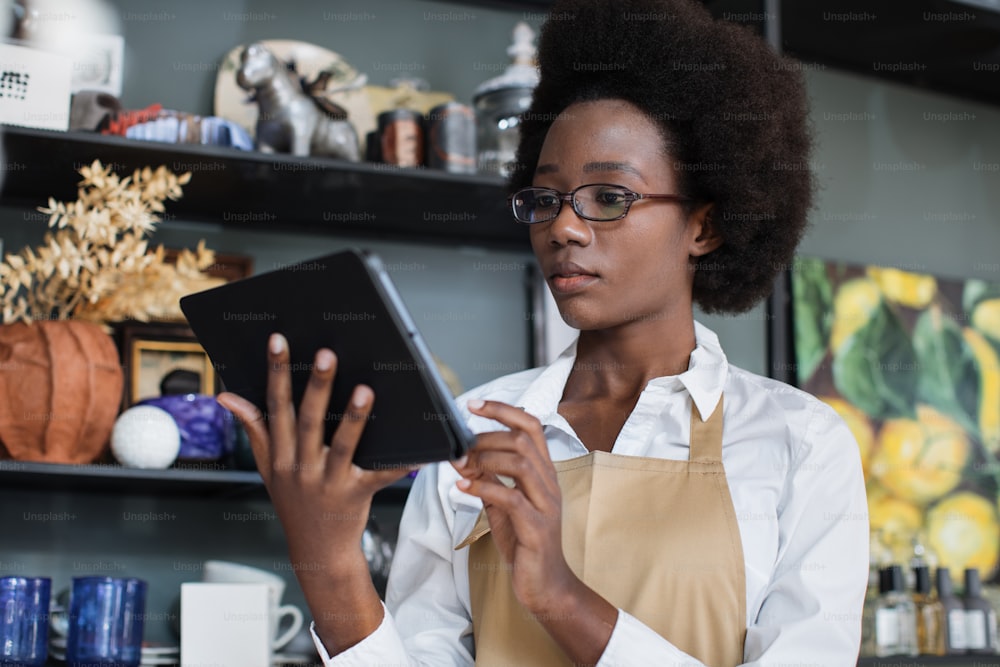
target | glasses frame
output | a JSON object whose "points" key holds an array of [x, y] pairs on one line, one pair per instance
{"points": [[570, 196]]}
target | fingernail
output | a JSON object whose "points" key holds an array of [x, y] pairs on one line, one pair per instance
{"points": [[324, 360], [460, 463], [463, 483], [475, 404], [277, 343], [358, 399]]}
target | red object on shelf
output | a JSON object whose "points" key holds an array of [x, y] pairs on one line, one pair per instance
{"points": [[120, 122]]}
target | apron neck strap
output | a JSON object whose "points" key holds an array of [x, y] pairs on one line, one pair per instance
{"points": [[706, 436]]}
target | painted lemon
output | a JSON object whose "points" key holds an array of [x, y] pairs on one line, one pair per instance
{"points": [[963, 531], [919, 460], [914, 290], [853, 306], [986, 318], [896, 522], [860, 425]]}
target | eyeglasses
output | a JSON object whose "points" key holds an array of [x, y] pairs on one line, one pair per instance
{"points": [[599, 202]]}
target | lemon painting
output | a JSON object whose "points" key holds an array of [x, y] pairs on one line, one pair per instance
{"points": [[911, 362]]}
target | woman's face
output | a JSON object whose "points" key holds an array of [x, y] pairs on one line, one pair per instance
{"points": [[621, 272]]}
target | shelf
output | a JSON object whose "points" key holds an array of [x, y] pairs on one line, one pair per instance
{"points": [[198, 480], [257, 191], [938, 661]]}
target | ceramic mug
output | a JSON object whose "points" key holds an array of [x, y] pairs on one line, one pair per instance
{"points": [[226, 572]]}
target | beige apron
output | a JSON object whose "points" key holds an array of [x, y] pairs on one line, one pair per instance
{"points": [[657, 538]]}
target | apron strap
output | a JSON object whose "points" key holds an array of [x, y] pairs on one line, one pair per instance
{"points": [[706, 436]]}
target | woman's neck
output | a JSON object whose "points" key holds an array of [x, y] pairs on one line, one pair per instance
{"points": [[618, 363]]}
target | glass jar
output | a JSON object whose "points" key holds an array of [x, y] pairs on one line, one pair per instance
{"points": [[499, 103]]}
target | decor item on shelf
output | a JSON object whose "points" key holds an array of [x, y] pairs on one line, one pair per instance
{"points": [[60, 376], [59, 383], [146, 436], [90, 109], [326, 75], [451, 138], [500, 102], [400, 138], [34, 87], [154, 123], [290, 119], [162, 358], [205, 427]]}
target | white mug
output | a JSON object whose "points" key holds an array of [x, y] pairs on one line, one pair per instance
{"points": [[226, 572]]}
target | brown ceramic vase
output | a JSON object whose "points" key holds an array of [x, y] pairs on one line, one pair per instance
{"points": [[60, 391]]}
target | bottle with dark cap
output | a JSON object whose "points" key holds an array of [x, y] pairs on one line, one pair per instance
{"points": [[980, 618], [953, 612], [895, 616], [930, 621]]}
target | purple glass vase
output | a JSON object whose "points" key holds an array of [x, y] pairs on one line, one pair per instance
{"points": [[207, 432]]}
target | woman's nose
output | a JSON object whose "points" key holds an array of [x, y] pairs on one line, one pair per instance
{"points": [[568, 227]]}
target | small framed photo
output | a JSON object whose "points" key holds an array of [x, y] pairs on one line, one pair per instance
{"points": [[161, 358]]}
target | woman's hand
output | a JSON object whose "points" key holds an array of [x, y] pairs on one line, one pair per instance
{"points": [[321, 498], [526, 523], [526, 519]]}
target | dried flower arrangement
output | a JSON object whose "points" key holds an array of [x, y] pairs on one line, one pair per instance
{"points": [[97, 265]]}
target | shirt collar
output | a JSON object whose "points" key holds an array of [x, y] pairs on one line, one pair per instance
{"points": [[704, 379]]}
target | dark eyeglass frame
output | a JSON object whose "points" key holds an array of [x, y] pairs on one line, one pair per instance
{"points": [[570, 196]]}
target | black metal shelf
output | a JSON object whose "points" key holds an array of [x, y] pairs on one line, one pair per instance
{"points": [[203, 480], [255, 191], [939, 661]]}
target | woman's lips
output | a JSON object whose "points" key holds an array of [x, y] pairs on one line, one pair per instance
{"points": [[569, 278]]}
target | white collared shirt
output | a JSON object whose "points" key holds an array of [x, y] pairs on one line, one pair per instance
{"points": [[794, 473]]}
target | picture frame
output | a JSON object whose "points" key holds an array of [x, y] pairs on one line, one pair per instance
{"points": [[911, 362], [150, 351]]}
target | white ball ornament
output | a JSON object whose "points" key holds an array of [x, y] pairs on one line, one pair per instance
{"points": [[145, 437]]}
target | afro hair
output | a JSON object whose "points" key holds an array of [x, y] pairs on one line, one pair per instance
{"points": [[733, 115]]}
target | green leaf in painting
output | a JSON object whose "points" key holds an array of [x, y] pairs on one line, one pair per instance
{"points": [[976, 290], [947, 377], [875, 367], [812, 299]]}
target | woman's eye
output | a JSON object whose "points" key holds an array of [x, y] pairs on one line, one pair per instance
{"points": [[611, 197], [546, 201]]}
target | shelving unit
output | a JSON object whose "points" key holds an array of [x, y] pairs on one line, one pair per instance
{"points": [[256, 191], [938, 661], [206, 480]]}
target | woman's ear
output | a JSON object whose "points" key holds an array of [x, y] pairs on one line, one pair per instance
{"points": [[706, 237]]}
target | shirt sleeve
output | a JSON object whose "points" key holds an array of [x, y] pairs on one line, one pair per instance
{"points": [[425, 622], [812, 605]]}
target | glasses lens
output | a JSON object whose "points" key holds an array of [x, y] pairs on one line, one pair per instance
{"points": [[602, 202], [536, 205]]}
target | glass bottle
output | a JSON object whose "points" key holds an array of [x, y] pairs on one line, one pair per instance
{"points": [[879, 556], [930, 614], [499, 103], [895, 616], [980, 618], [953, 613]]}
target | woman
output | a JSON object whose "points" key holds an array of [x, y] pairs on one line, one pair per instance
{"points": [[639, 500]]}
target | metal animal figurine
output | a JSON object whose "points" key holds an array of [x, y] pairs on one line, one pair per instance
{"points": [[289, 120]]}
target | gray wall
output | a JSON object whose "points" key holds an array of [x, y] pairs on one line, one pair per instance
{"points": [[900, 185]]}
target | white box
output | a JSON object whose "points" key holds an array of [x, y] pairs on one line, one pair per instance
{"points": [[34, 87], [225, 625]]}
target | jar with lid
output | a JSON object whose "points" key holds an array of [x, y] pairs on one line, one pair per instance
{"points": [[500, 102]]}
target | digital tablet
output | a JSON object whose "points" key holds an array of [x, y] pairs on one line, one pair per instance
{"points": [[345, 302]]}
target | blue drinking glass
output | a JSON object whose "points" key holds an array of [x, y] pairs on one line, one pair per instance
{"points": [[24, 620], [106, 622]]}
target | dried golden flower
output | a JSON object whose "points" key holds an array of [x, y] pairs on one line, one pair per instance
{"points": [[97, 265]]}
